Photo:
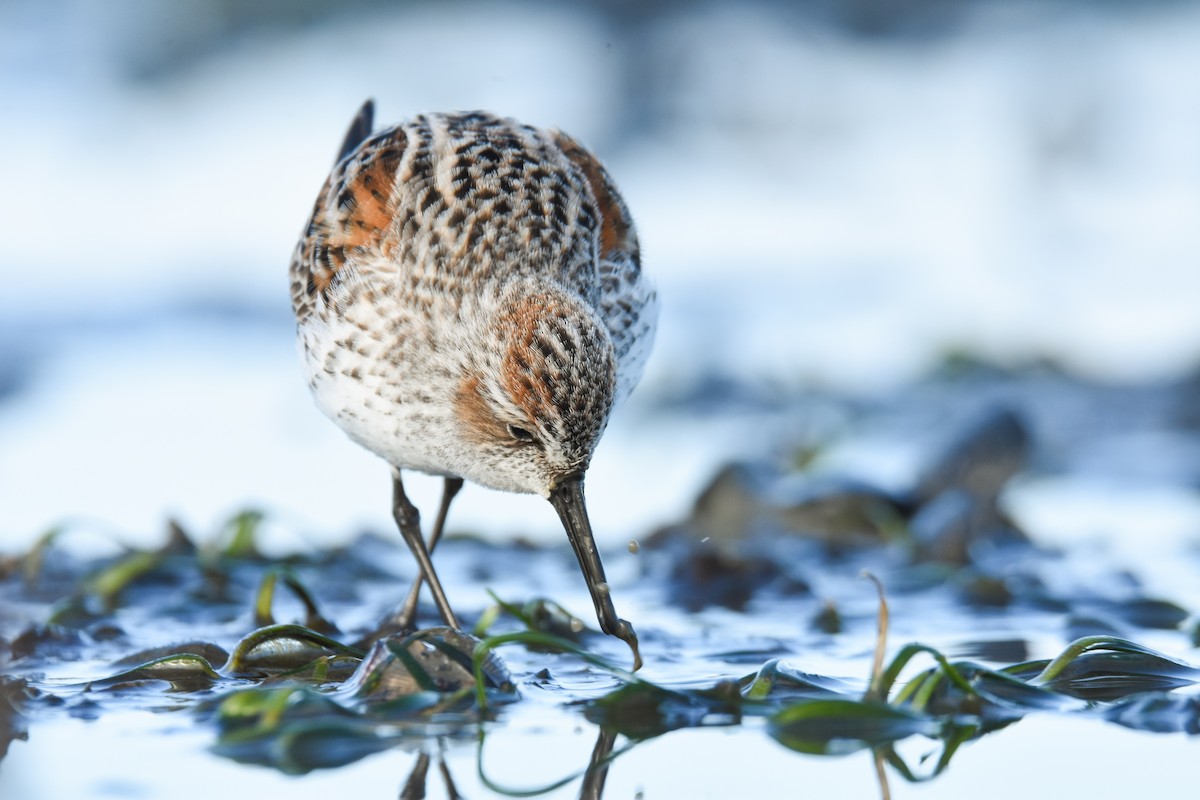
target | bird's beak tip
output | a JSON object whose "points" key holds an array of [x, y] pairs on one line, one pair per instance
{"points": [[567, 497], [630, 638]]}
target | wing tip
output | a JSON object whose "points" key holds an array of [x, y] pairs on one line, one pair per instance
{"points": [[360, 129]]}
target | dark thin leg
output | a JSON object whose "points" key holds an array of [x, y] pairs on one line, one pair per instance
{"points": [[403, 618], [409, 521]]}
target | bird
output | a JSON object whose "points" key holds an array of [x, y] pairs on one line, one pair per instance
{"points": [[470, 304]]}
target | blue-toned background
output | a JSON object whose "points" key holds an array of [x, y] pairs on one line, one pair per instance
{"points": [[831, 195]]}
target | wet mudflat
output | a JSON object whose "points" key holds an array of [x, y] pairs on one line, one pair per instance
{"points": [[1015, 659]]}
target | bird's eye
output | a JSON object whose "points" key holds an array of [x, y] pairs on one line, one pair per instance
{"points": [[520, 434]]}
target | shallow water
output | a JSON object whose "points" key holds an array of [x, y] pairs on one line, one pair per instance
{"points": [[707, 609]]}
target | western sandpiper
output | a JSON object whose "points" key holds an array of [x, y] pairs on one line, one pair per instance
{"points": [[470, 303]]}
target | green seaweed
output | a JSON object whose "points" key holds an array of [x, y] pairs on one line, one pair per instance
{"points": [[264, 601], [539, 614], [239, 540], [186, 672], [278, 648]]}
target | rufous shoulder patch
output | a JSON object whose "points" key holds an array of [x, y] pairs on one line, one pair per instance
{"points": [[616, 225]]}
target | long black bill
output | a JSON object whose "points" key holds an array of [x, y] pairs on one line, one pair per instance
{"points": [[567, 499]]}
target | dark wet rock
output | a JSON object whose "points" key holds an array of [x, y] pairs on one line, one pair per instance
{"points": [[212, 653], [955, 503], [1078, 625], [919, 577], [1148, 612], [706, 576], [19, 359], [10, 565], [44, 641], [546, 616], [834, 509], [728, 507], [745, 499], [85, 708], [1194, 633], [952, 526], [985, 590], [767, 649], [1118, 617], [942, 529], [979, 459], [433, 660], [105, 631], [827, 619], [1001, 651], [179, 542], [951, 518]]}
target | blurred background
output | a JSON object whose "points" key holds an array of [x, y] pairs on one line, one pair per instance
{"points": [[832, 196]]}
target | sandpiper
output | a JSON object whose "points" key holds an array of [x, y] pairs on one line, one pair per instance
{"points": [[470, 303]]}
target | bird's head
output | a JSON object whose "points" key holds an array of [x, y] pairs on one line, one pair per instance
{"points": [[532, 402]]}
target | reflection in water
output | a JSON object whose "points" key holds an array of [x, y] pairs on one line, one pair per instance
{"points": [[592, 786], [414, 787], [14, 692], [593, 779], [885, 791]]}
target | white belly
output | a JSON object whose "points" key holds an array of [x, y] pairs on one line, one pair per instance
{"points": [[390, 405]]}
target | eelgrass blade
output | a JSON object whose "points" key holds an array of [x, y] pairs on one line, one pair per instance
{"points": [[1109, 668], [876, 690], [280, 647]]}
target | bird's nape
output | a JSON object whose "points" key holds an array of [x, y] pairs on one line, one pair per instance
{"points": [[567, 499]]}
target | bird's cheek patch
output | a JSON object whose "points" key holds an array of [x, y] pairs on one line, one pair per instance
{"points": [[479, 424]]}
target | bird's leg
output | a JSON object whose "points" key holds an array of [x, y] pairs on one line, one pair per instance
{"points": [[404, 616], [409, 521]]}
